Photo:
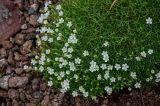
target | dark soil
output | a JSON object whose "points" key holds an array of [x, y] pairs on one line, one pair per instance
{"points": [[19, 87]]}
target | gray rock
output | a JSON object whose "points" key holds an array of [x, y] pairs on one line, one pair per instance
{"points": [[3, 53], [3, 63], [19, 71], [13, 94], [37, 95], [22, 97], [4, 82], [18, 81]]}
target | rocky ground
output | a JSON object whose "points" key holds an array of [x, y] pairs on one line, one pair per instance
{"points": [[19, 87]]}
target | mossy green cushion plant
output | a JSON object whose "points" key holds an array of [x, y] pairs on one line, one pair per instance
{"points": [[87, 49]]}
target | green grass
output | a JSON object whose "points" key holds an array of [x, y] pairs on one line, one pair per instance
{"points": [[124, 27]]}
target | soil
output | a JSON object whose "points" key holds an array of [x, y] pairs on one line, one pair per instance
{"points": [[19, 87]]}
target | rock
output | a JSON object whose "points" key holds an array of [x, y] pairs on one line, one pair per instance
{"points": [[10, 58], [30, 104], [105, 101], [3, 63], [24, 26], [19, 71], [29, 30], [26, 47], [43, 86], [37, 95], [3, 53], [35, 83], [7, 44], [13, 94], [19, 39], [22, 97], [3, 94], [15, 103], [18, 57], [18, 81], [33, 20], [9, 70], [45, 101]]}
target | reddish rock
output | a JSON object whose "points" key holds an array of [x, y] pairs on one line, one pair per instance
{"points": [[12, 22], [18, 81]]}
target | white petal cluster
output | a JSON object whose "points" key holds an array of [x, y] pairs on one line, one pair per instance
{"points": [[117, 66], [93, 66], [108, 90], [125, 67], [85, 53], [65, 85], [72, 39], [133, 75], [105, 56]]}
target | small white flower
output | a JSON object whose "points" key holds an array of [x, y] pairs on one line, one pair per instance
{"points": [[62, 74], [81, 89], [99, 77], [106, 75], [106, 44], [56, 59], [56, 30], [25, 67], [57, 25], [125, 67], [117, 66], [147, 79], [149, 20], [112, 79], [108, 90], [137, 85], [67, 72], [70, 50], [61, 20], [50, 83], [64, 49], [85, 53], [105, 56], [65, 84], [138, 58], [60, 65], [50, 40], [109, 67], [69, 24], [33, 62], [129, 89], [74, 31], [78, 61], [48, 51], [143, 54], [74, 93], [104, 66], [150, 51], [59, 38], [152, 71], [119, 78], [66, 44], [61, 13], [133, 75], [48, 60], [44, 38], [76, 76], [41, 68], [85, 94], [72, 66], [58, 7]]}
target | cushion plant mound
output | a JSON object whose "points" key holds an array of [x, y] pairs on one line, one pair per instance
{"points": [[87, 49]]}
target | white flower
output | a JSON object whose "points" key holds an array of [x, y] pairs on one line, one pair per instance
{"points": [[149, 20], [138, 58], [137, 85], [150, 51], [143, 54], [109, 67], [108, 90], [62, 74], [41, 68], [67, 72], [69, 24], [152, 71], [119, 78], [33, 62], [56, 59], [74, 93], [72, 39], [129, 89], [117, 66], [99, 77], [57, 25], [61, 13], [45, 22], [66, 44], [69, 56], [48, 51], [50, 83], [60, 65], [61, 20], [44, 38], [81, 89], [106, 44], [72, 66], [70, 50], [113, 79], [65, 84], [74, 31], [76, 76], [59, 38], [85, 94], [65, 62], [125, 67], [25, 67], [56, 30], [58, 7], [85, 53], [105, 56], [50, 40], [64, 49], [50, 71], [106, 75], [133, 75], [78, 60], [94, 66], [103, 66]]}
